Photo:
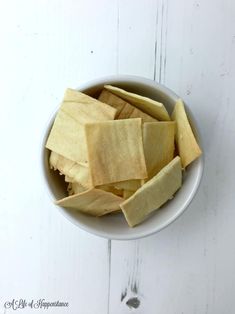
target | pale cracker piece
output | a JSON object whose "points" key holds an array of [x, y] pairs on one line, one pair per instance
{"points": [[67, 138], [147, 105], [77, 188], [67, 134], [137, 113], [53, 160], [127, 194], [124, 109], [58, 162], [81, 175], [111, 189], [131, 185], [158, 139], [187, 145], [74, 172], [100, 110], [87, 109], [115, 151], [112, 100], [153, 194], [93, 202], [68, 179]]}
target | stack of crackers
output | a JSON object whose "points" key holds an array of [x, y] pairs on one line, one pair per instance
{"points": [[120, 152]]}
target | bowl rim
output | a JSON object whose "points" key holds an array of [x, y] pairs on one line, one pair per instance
{"points": [[115, 79]]}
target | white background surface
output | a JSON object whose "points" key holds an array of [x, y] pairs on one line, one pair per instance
{"points": [[46, 46]]}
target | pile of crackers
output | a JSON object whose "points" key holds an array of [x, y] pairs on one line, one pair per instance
{"points": [[120, 152]]}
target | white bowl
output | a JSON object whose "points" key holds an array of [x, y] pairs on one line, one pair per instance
{"points": [[114, 226]]}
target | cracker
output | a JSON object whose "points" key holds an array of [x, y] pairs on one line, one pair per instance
{"points": [[153, 194], [75, 188], [158, 139], [73, 171], [112, 100], [68, 179], [93, 202], [111, 189], [58, 162], [187, 145], [147, 105], [131, 185], [115, 151], [81, 175], [137, 113], [67, 136], [87, 109], [127, 194], [124, 109]]}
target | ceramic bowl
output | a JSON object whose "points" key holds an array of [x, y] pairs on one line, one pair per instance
{"points": [[114, 226]]}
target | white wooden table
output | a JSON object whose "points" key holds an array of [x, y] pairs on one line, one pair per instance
{"points": [[46, 46]]}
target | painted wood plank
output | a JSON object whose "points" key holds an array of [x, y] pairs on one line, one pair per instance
{"points": [[161, 30], [136, 37], [188, 267], [137, 56], [47, 46]]}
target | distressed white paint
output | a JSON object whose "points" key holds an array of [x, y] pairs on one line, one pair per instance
{"points": [[189, 267], [45, 47], [49, 45]]}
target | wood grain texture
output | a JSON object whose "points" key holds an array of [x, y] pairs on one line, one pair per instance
{"points": [[46, 48], [136, 33], [187, 268]]}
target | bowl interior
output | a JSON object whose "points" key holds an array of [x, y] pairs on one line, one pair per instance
{"points": [[114, 226]]}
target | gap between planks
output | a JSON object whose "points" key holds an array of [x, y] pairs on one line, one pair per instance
{"points": [[160, 45], [159, 75]]}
